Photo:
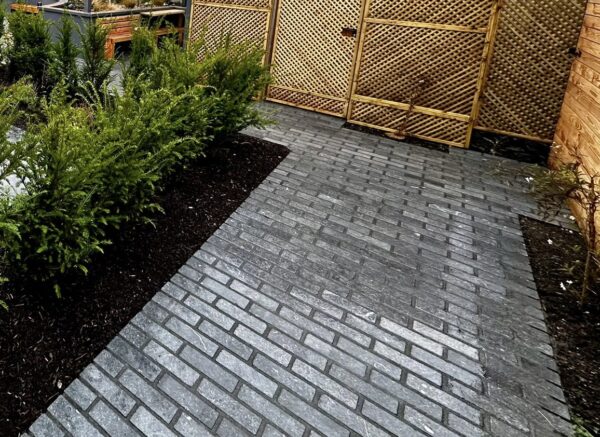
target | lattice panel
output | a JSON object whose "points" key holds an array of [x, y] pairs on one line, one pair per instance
{"points": [[436, 128], [530, 66], [310, 53], [467, 13], [256, 4], [440, 67], [242, 24], [308, 101]]}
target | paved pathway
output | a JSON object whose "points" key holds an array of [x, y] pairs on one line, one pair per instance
{"points": [[366, 287]]}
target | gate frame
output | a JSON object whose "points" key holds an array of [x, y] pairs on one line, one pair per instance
{"points": [[471, 119], [272, 47]]}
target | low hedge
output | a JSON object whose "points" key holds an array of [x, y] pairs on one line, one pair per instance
{"points": [[95, 159]]}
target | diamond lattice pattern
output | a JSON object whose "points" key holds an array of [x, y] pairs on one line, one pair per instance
{"points": [[530, 66], [311, 54]]}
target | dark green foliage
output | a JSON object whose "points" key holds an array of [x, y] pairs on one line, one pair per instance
{"points": [[91, 167], [95, 70], [143, 47], [31, 50], [93, 163], [235, 74], [63, 66], [232, 76]]}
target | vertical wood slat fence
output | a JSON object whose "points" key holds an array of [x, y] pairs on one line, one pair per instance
{"points": [[429, 69]]}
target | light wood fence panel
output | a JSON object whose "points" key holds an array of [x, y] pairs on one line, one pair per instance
{"points": [[243, 20], [313, 54], [530, 66], [421, 67]]}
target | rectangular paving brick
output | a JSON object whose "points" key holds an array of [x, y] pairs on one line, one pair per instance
{"points": [[247, 373], [449, 341], [187, 426], [335, 354], [111, 422], [318, 379], [148, 395], [242, 316], [191, 336], [149, 425], [312, 416], [173, 364], [349, 418], [408, 363], [263, 345], [134, 358], [208, 311], [210, 368], [225, 339], [358, 385], [271, 412], [71, 419], [297, 385], [230, 406], [110, 391], [387, 421], [188, 400], [456, 405]]}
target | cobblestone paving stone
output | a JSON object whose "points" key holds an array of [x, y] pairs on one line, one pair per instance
{"points": [[367, 287]]}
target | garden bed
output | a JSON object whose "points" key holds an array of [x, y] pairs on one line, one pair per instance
{"points": [[575, 329], [46, 342]]}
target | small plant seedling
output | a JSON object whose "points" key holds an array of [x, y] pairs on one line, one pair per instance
{"points": [[572, 182]]}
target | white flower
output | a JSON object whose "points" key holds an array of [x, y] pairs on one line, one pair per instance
{"points": [[529, 180], [563, 286], [572, 218], [550, 242], [569, 282]]}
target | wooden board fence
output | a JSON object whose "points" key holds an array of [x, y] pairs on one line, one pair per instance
{"points": [[578, 130]]}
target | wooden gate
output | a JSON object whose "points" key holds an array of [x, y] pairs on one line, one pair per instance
{"points": [[411, 67], [243, 20], [313, 54], [421, 67]]}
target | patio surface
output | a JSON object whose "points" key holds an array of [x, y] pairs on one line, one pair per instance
{"points": [[367, 287]]}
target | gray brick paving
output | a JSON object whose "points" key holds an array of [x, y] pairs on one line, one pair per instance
{"points": [[367, 287]]}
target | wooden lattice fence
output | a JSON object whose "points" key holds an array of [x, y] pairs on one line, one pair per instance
{"points": [[533, 53], [429, 68]]}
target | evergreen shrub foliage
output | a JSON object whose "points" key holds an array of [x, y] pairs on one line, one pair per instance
{"points": [[93, 162]]}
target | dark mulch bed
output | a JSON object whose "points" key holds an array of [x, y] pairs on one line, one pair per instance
{"points": [[575, 329], [518, 149], [45, 343]]}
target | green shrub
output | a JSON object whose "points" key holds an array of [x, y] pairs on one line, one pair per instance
{"points": [[96, 69], [143, 48], [235, 74], [31, 49], [232, 76], [93, 164], [89, 174], [63, 66]]}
